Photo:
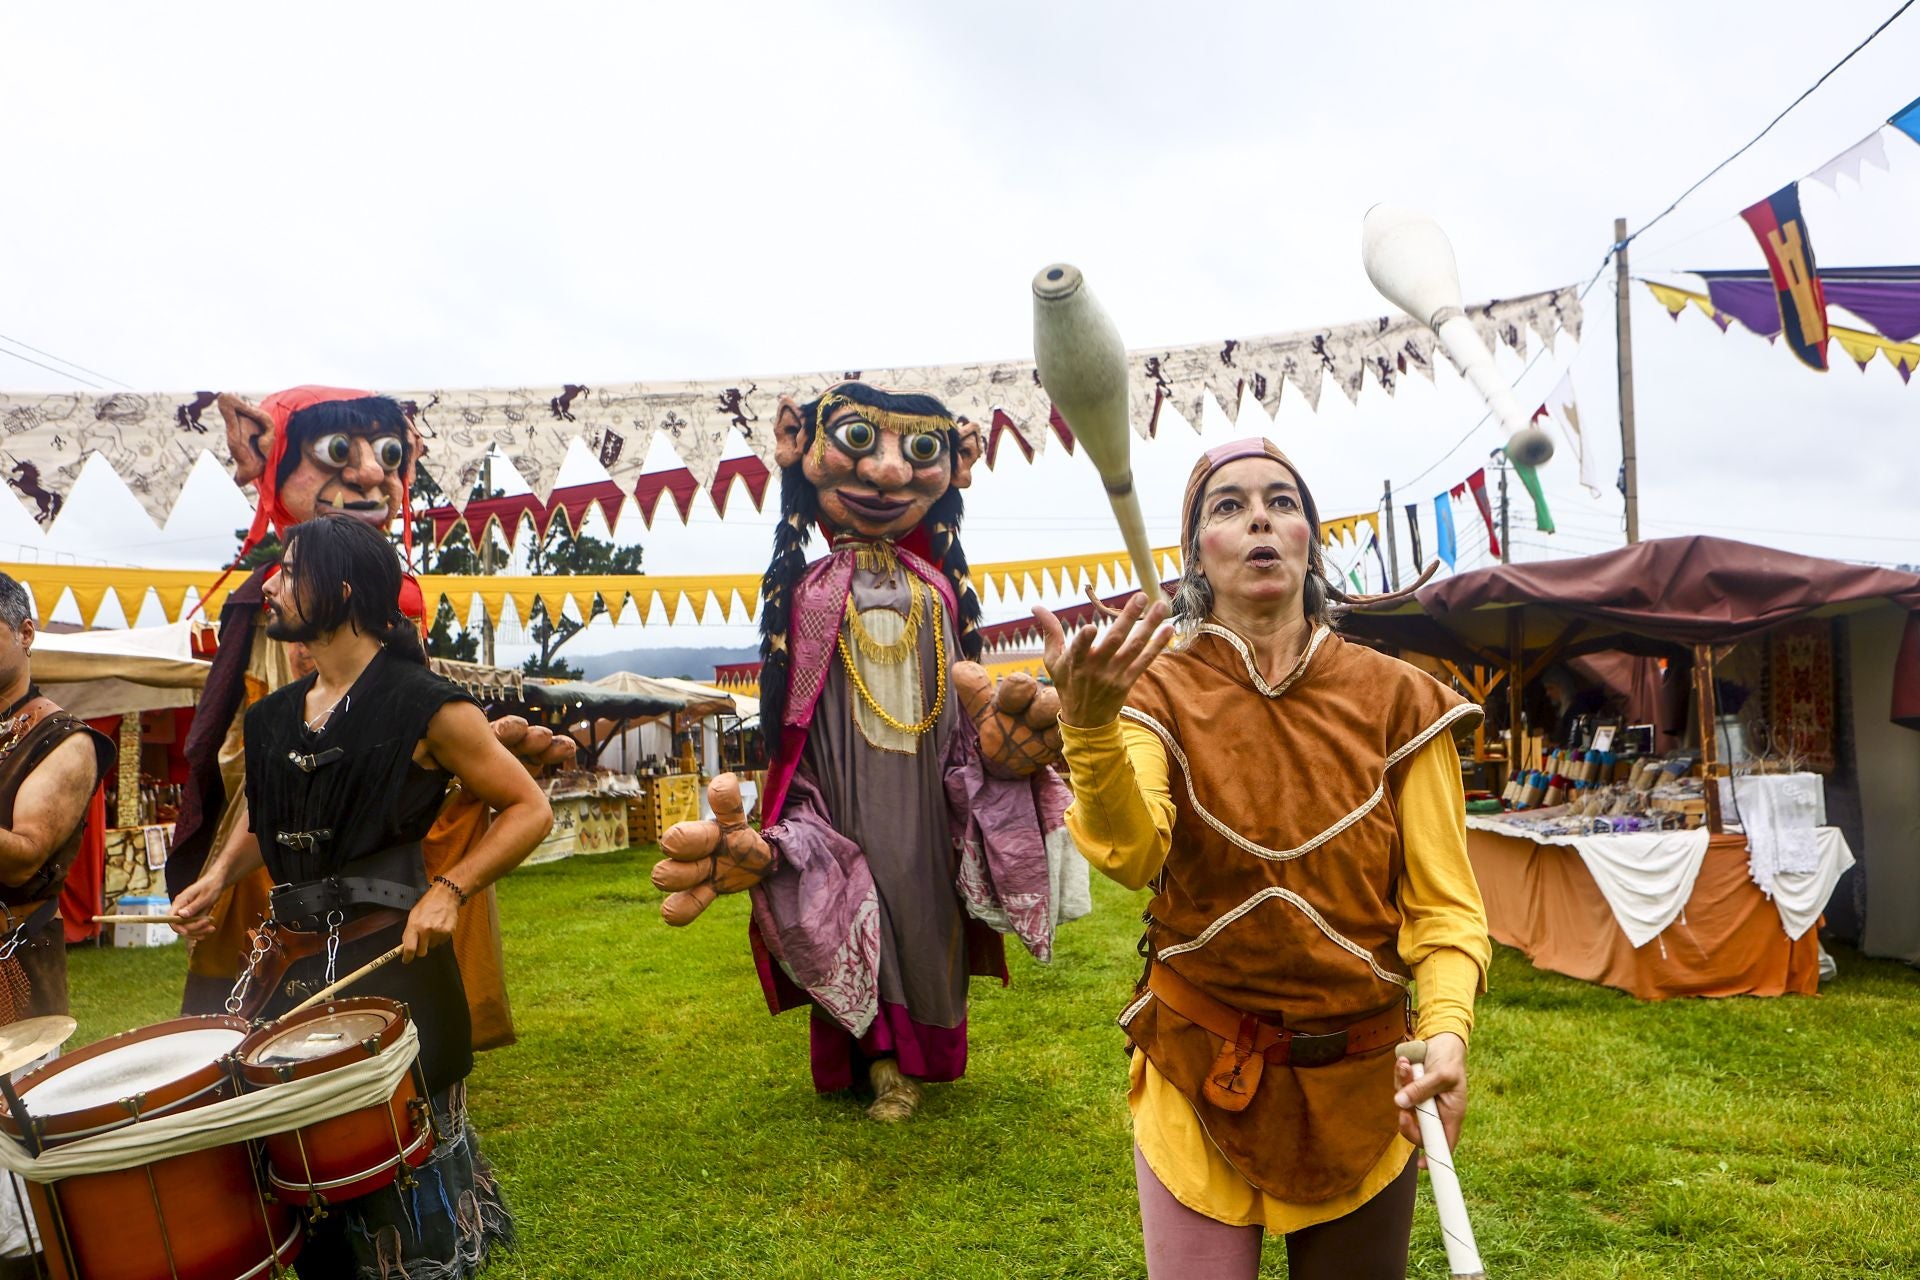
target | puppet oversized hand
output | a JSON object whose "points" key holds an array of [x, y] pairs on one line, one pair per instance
{"points": [[711, 857], [536, 747], [1019, 722]]}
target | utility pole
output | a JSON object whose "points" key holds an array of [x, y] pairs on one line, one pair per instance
{"points": [[1506, 535], [1623, 333], [486, 558], [1393, 547]]}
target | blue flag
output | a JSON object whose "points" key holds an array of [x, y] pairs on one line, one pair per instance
{"points": [[1443, 528], [1907, 120]]}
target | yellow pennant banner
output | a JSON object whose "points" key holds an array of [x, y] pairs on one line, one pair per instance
{"points": [[677, 598], [1860, 344], [1346, 528]]}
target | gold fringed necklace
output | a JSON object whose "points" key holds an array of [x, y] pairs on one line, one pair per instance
{"points": [[896, 652]]}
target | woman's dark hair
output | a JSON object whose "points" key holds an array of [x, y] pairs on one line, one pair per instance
{"points": [[800, 511], [329, 552]]}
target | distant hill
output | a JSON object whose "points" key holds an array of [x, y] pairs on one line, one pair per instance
{"points": [[694, 664]]}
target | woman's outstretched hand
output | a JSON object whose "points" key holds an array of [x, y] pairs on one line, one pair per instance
{"points": [[1094, 669]]}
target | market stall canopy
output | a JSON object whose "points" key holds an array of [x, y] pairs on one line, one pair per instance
{"points": [[572, 701], [1659, 597], [489, 684], [95, 674], [705, 700]]}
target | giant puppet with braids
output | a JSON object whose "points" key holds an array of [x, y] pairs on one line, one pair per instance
{"points": [[910, 816], [313, 451]]}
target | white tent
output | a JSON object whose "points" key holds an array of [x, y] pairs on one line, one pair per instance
{"points": [[111, 673]]}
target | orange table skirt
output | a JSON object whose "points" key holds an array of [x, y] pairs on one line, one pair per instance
{"points": [[1728, 941]]}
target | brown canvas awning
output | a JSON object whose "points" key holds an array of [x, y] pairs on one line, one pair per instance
{"points": [[1660, 597]]}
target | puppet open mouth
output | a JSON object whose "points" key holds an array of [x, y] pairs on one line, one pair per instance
{"points": [[373, 511], [873, 508]]}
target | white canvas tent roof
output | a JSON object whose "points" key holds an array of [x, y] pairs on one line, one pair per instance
{"points": [[112, 673]]}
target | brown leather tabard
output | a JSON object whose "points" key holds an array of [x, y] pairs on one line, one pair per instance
{"points": [[1278, 903]]}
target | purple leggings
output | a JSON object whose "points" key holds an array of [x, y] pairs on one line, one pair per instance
{"points": [[1368, 1244]]}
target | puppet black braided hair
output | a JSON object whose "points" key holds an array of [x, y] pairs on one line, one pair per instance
{"points": [[800, 511]]}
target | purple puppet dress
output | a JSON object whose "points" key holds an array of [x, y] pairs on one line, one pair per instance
{"points": [[901, 861]]}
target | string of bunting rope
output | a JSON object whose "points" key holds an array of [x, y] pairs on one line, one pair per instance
{"points": [[152, 441]]}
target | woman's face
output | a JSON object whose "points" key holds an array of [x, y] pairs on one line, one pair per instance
{"points": [[1253, 534]]}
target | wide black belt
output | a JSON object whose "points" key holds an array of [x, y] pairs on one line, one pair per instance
{"points": [[364, 882]]}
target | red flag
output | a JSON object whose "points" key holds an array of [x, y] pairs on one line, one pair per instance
{"points": [[1478, 483]]}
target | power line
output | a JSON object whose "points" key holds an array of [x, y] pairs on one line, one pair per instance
{"points": [[1769, 129], [49, 368], [70, 364]]}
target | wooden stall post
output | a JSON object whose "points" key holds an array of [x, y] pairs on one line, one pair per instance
{"points": [[1708, 704], [127, 811]]}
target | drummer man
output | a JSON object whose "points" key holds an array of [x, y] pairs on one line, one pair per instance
{"points": [[50, 764], [345, 773]]}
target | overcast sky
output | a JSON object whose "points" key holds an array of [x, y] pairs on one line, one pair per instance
{"points": [[254, 196]]}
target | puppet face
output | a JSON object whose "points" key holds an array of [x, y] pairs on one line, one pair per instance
{"points": [[874, 480], [1253, 534], [356, 473]]}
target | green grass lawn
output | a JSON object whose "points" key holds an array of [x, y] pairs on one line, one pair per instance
{"points": [[654, 1121]]}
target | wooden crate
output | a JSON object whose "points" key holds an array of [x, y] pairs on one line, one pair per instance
{"points": [[674, 798]]}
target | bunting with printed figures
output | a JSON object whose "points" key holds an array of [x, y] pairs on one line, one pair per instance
{"points": [[153, 440]]}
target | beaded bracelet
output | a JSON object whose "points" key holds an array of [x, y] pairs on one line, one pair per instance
{"points": [[454, 888]]}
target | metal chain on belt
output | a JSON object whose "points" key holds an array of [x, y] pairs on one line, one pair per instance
{"points": [[335, 919], [237, 998]]}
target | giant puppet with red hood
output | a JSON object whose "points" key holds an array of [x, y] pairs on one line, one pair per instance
{"points": [[307, 452], [911, 818]]}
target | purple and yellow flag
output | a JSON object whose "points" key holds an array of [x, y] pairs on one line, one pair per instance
{"points": [[1783, 238]]}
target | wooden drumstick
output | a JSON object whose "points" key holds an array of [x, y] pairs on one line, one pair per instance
{"points": [[347, 981], [1463, 1256], [139, 919], [1083, 368]]}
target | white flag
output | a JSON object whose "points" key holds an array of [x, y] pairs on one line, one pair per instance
{"points": [[1561, 408]]}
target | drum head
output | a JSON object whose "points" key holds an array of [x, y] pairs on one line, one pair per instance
{"points": [[319, 1037], [140, 1066]]}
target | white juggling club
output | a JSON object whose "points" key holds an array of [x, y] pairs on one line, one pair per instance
{"points": [[1410, 261], [1083, 367], [1463, 1256]]}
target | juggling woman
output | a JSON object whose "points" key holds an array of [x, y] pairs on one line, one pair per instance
{"points": [[1294, 802]]}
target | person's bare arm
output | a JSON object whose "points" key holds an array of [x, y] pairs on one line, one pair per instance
{"points": [[239, 859], [49, 805], [460, 740]]}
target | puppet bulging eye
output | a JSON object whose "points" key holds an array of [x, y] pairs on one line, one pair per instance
{"points": [[857, 436], [922, 449], [390, 451], [335, 450]]}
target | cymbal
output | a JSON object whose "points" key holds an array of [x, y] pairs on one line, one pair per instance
{"points": [[22, 1042]]}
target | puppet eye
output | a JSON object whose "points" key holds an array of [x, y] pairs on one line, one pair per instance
{"points": [[923, 449], [856, 435], [391, 452], [335, 450]]}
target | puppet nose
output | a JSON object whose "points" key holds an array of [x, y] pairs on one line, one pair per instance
{"points": [[886, 467], [363, 469]]}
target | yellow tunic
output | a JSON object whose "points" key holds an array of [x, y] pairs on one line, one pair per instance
{"points": [[1122, 820]]}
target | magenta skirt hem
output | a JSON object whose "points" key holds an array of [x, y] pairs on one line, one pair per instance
{"points": [[936, 1054]]}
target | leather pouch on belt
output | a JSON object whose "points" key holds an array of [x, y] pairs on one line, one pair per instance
{"points": [[1235, 1072]]}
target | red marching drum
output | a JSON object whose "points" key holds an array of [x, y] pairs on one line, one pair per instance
{"points": [[345, 1157], [198, 1216]]}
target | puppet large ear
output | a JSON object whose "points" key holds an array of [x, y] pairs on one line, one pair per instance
{"points": [[967, 448], [789, 434], [249, 437]]}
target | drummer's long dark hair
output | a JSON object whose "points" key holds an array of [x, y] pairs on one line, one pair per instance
{"points": [[800, 512], [329, 552]]}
